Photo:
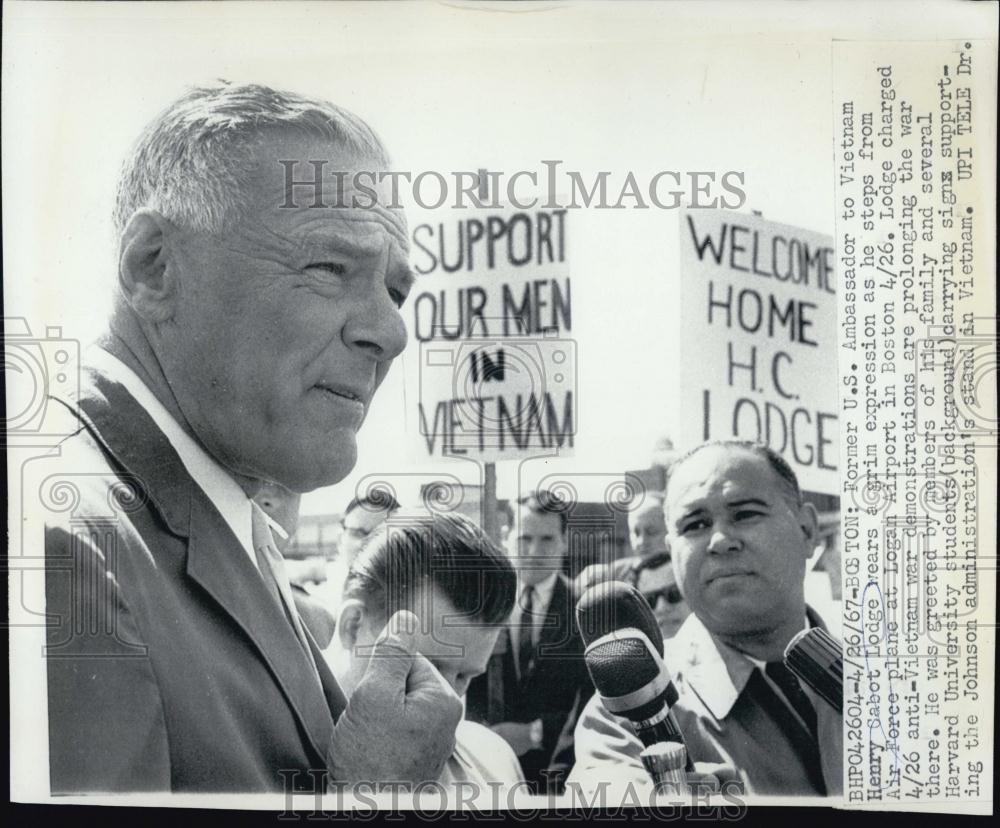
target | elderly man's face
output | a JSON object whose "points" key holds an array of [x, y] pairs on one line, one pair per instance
{"points": [[739, 546], [287, 322], [648, 529]]}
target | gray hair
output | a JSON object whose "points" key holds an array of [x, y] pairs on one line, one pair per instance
{"points": [[190, 161]]}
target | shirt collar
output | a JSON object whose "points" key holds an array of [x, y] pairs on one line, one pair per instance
{"points": [[715, 672], [543, 592], [220, 488]]}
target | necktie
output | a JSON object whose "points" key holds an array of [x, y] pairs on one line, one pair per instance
{"points": [[790, 687], [763, 694], [525, 645], [272, 570]]}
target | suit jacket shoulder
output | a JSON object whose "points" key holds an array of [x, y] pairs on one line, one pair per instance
{"points": [[169, 665]]}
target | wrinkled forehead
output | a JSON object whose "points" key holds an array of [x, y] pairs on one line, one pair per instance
{"points": [[302, 179], [719, 473]]}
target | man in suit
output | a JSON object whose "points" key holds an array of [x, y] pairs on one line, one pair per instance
{"points": [[537, 673], [253, 322], [740, 534]]}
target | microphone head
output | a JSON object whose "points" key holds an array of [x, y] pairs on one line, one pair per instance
{"points": [[624, 654], [614, 605], [817, 658]]}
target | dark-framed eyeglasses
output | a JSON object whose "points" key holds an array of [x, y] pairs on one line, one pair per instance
{"points": [[671, 594]]}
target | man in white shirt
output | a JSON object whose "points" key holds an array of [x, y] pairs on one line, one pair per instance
{"points": [[257, 312], [460, 587]]}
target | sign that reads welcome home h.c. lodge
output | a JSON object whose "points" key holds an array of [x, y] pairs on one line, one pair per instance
{"points": [[759, 339]]}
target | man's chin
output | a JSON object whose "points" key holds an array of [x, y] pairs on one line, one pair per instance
{"points": [[317, 468]]}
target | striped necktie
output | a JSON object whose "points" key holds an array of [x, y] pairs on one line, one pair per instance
{"points": [[272, 570]]}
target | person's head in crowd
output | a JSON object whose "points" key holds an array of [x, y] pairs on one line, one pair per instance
{"points": [[361, 518], [658, 585], [263, 322], [445, 570], [647, 526], [653, 574], [740, 536], [537, 542]]}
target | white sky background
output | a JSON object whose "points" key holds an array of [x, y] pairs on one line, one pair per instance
{"points": [[642, 87]]}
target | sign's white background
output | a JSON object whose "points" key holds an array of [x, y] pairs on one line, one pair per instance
{"points": [[621, 87]]}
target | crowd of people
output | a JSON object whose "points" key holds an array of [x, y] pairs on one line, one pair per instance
{"points": [[249, 335]]}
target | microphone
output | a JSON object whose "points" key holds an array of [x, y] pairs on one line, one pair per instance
{"points": [[817, 658], [624, 656]]}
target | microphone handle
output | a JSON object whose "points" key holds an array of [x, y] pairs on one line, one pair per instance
{"points": [[662, 728]]}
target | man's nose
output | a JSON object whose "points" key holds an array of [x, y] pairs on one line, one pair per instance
{"points": [[723, 541], [377, 327]]}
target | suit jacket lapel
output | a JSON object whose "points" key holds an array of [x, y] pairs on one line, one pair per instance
{"points": [[216, 560], [224, 570], [553, 632], [335, 698]]}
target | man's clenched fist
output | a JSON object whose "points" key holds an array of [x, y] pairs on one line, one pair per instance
{"points": [[399, 725]]}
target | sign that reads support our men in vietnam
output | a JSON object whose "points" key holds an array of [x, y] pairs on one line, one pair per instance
{"points": [[493, 318], [759, 339]]}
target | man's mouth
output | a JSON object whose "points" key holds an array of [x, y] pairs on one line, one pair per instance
{"points": [[720, 576], [345, 400], [342, 392]]}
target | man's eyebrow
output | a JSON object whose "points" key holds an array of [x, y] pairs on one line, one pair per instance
{"points": [[749, 501], [691, 512], [338, 241]]}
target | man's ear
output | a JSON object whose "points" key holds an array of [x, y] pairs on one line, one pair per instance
{"points": [[809, 522], [349, 621], [146, 277]]}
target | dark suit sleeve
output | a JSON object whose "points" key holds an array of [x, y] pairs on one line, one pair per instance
{"points": [[107, 730]]}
